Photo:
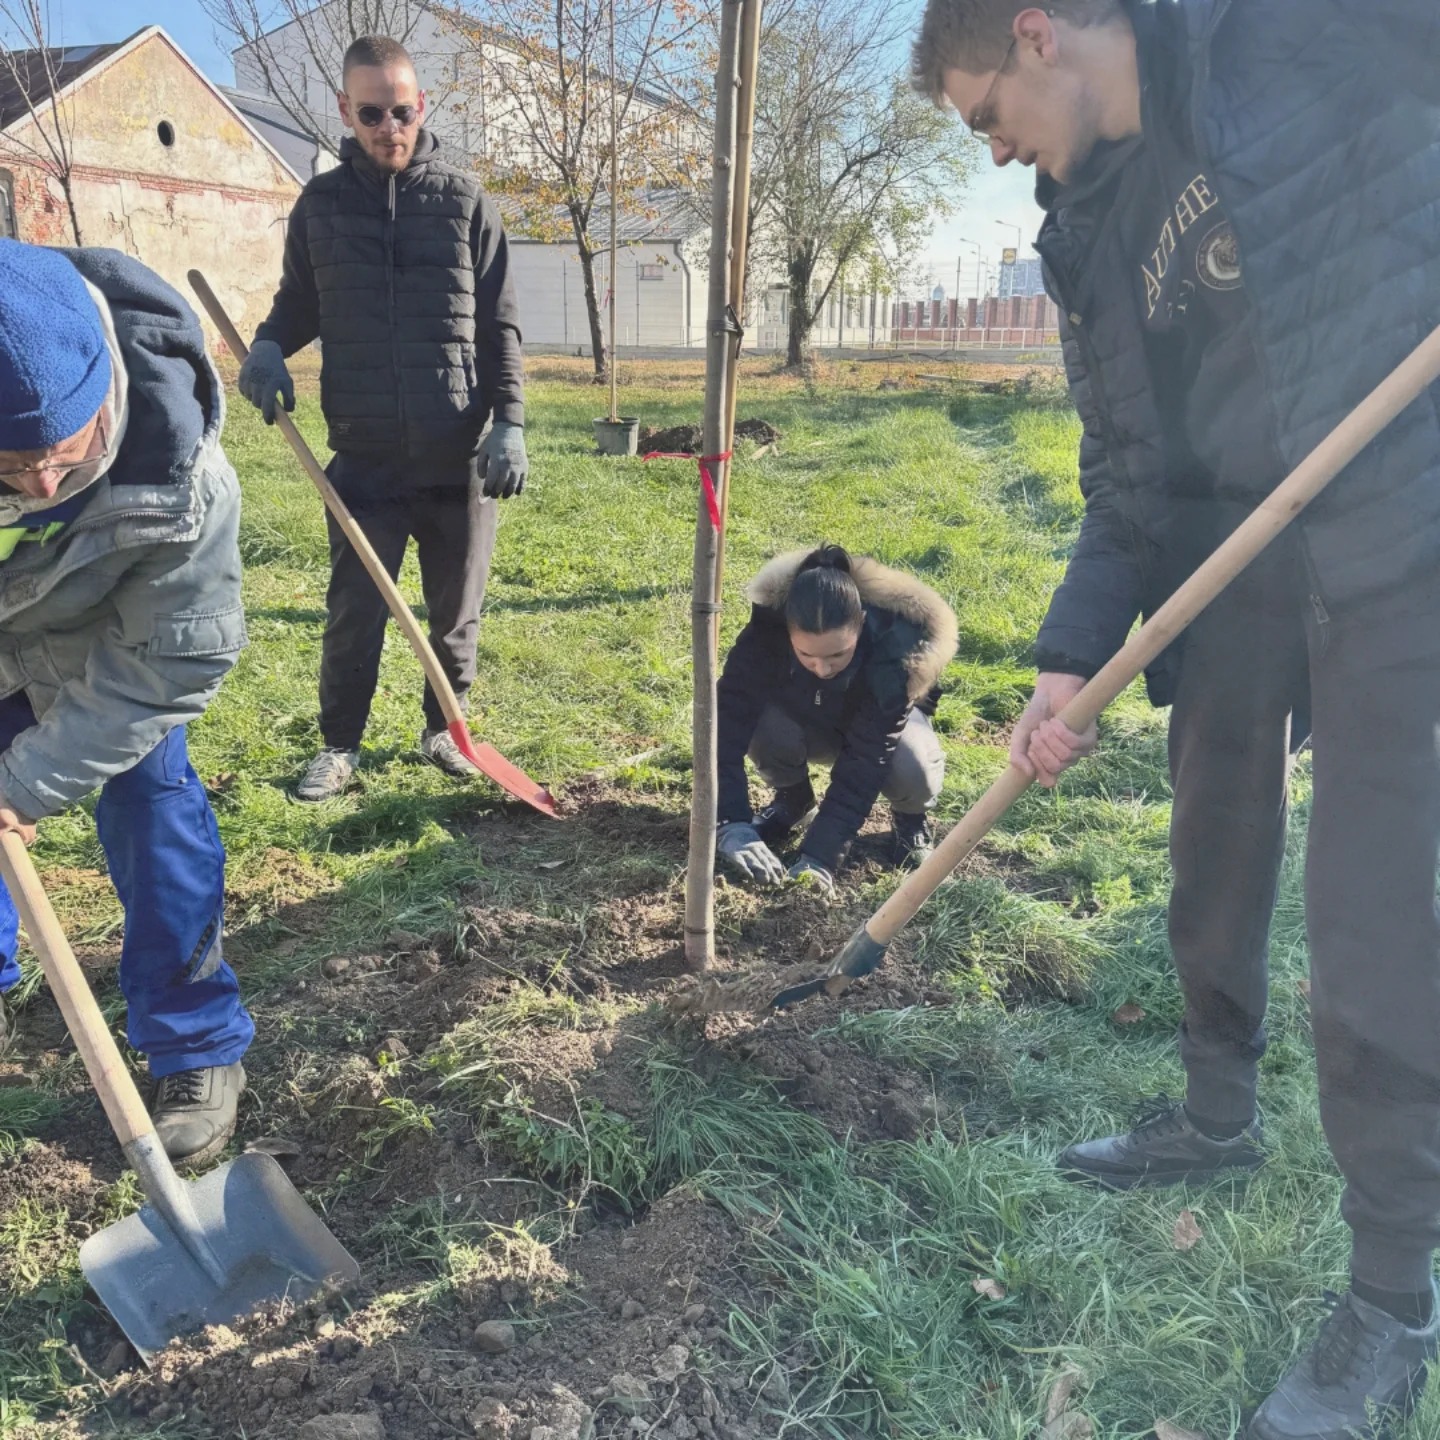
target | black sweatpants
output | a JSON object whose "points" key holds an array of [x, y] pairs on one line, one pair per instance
{"points": [[454, 530], [1265, 654]]}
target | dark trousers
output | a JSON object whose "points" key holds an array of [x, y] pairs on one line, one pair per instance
{"points": [[163, 849], [1261, 657], [454, 530], [783, 750]]}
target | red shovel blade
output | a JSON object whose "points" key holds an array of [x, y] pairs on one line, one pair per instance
{"points": [[489, 761]]}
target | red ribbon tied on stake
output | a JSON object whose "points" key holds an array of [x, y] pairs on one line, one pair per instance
{"points": [[707, 481]]}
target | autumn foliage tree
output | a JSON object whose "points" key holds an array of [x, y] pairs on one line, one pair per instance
{"points": [[537, 83]]}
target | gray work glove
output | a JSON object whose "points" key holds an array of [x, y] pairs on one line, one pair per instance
{"points": [[814, 874], [263, 376], [504, 467], [743, 850]]}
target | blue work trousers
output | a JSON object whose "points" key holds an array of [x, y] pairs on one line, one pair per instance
{"points": [[165, 857]]}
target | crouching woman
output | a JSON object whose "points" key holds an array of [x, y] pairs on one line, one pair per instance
{"points": [[839, 665]]}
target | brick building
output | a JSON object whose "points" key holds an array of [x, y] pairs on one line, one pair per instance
{"points": [[162, 167], [1023, 320]]}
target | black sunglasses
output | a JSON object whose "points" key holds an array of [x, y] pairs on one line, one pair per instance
{"points": [[372, 115]]}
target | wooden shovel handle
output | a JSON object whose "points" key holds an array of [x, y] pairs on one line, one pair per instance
{"points": [[118, 1094], [404, 616], [1410, 379]]}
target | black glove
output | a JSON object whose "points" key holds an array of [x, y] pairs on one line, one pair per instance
{"points": [[263, 376], [504, 467]]}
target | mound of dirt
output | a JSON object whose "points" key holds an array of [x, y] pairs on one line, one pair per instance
{"points": [[688, 439]]}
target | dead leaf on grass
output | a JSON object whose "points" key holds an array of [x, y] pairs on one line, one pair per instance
{"points": [[1303, 986], [1169, 1430], [1058, 1401], [1187, 1234], [990, 1289], [1130, 1014], [549, 864]]}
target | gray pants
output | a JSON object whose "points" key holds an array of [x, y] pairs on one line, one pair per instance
{"points": [[783, 749], [454, 531], [1261, 657]]}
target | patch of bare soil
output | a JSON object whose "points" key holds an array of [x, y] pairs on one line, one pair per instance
{"points": [[690, 439], [465, 1324]]}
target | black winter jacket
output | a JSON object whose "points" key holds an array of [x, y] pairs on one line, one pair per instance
{"points": [[1317, 122], [406, 281], [909, 638]]}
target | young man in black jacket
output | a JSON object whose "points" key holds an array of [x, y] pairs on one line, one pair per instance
{"points": [[1242, 232], [399, 263]]}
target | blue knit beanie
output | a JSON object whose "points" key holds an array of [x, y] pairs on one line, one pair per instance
{"points": [[54, 362]]}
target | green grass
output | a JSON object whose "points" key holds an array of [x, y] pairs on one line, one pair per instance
{"points": [[869, 1250]]}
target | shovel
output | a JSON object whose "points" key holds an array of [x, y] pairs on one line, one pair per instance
{"points": [[864, 951], [201, 1252], [485, 758]]}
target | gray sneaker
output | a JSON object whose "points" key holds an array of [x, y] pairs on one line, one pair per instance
{"points": [[1364, 1370], [329, 774], [439, 748], [1164, 1148]]}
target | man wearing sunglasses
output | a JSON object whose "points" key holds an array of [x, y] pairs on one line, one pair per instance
{"points": [[1242, 232], [119, 615], [398, 262]]}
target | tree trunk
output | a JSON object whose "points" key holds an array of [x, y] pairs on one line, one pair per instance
{"points": [[70, 205], [801, 267], [592, 312]]}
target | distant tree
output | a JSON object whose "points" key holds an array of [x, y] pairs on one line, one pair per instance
{"points": [[289, 40], [536, 75], [32, 65], [850, 164]]}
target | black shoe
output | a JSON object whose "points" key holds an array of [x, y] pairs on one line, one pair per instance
{"points": [[912, 838], [194, 1111], [1164, 1148], [1364, 1370], [792, 807]]}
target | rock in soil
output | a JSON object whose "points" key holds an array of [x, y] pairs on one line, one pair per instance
{"points": [[671, 1363], [563, 1416], [494, 1337], [632, 1310], [342, 1427], [628, 1395]]}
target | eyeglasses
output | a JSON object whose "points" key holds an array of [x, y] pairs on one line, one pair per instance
{"points": [[372, 115], [61, 467], [982, 121]]}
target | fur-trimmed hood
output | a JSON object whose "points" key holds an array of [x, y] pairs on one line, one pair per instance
{"points": [[880, 588]]}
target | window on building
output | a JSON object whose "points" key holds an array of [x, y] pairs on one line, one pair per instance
{"points": [[166, 131], [651, 272], [8, 230]]}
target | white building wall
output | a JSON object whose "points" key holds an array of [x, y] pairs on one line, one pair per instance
{"points": [[655, 295]]}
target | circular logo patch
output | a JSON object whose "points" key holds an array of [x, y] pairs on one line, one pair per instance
{"points": [[1218, 259]]}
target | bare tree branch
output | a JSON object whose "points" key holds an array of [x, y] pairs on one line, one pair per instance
{"points": [[33, 66]]}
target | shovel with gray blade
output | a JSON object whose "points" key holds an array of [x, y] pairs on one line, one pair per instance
{"points": [[200, 1252]]}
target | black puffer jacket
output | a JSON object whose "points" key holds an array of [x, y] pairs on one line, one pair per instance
{"points": [[1317, 122], [909, 638], [406, 281]]}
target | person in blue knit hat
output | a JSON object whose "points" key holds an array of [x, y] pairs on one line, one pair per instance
{"points": [[120, 614]]}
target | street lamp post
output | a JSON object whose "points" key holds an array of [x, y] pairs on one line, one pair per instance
{"points": [[979, 281]]}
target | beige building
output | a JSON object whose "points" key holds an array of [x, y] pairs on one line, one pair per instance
{"points": [[162, 166]]}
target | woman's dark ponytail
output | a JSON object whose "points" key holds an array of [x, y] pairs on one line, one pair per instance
{"points": [[823, 595]]}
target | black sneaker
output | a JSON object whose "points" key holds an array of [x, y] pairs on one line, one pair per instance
{"points": [[791, 807], [1364, 1370], [194, 1111], [912, 838], [1164, 1148]]}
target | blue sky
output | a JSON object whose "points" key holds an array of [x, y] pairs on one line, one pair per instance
{"points": [[994, 196]]}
